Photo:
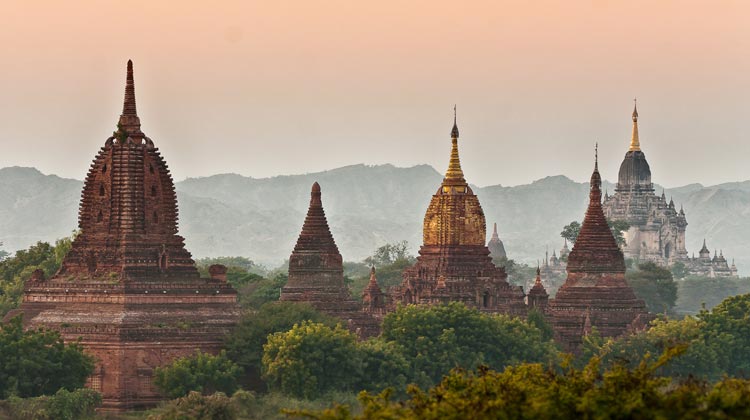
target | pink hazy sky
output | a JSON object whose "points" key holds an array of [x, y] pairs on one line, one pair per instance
{"points": [[280, 87]]}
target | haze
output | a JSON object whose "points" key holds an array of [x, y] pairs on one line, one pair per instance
{"points": [[268, 88]]}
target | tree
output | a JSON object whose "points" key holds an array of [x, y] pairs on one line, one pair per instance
{"points": [[38, 362], [16, 270], [3, 253], [700, 358], [245, 343], [655, 285], [571, 231], [201, 372], [438, 338], [618, 227], [727, 328], [383, 366], [63, 405], [390, 253], [311, 359], [679, 270], [196, 406], [531, 391]]}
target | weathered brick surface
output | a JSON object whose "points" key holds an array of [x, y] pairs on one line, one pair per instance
{"points": [[595, 293], [316, 272], [128, 289]]}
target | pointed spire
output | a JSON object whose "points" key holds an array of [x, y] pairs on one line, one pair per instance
{"points": [[316, 234], [494, 232], [635, 142], [595, 250], [128, 107], [454, 176], [129, 124], [454, 131]]}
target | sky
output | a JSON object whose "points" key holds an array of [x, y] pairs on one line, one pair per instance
{"points": [[264, 88]]}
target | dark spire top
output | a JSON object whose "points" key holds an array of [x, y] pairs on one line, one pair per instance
{"points": [[454, 131], [316, 235], [129, 124], [635, 110], [128, 107], [595, 250]]}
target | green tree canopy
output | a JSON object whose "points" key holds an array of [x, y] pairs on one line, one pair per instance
{"points": [[37, 362], [727, 328], [245, 344], [532, 391], [201, 372], [14, 271], [655, 285], [571, 231], [311, 359], [438, 338]]}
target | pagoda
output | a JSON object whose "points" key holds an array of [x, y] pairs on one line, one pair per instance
{"points": [[454, 264], [128, 288], [595, 292], [495, 245], [316, 272]]}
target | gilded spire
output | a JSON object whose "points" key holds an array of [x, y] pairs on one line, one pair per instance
{"points": [[454, 176], [635, 143]]}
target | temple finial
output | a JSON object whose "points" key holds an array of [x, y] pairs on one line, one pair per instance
{"points": [[454, 176], [596, 156], [454, 131], [635, 142], [128, 107], [129, 125], [494, 229]]}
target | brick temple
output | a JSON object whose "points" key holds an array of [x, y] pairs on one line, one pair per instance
{"points": [[454, 264], [595, 293], [128, 288], [316, 273]]}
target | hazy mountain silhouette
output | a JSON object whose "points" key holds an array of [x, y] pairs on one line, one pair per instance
{"points": [[367, 206]]}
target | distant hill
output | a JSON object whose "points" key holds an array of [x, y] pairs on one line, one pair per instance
{"points": [[367, 206]]}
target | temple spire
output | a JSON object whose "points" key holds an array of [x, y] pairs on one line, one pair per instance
{"points": [[635, 143], [494, 232], [129, 124], [454, 176], [128, 107]]}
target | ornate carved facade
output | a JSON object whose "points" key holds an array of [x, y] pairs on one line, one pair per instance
{"points": [[595, 293], [657, 228], [454, 263], [128, 287], [316, 272]]}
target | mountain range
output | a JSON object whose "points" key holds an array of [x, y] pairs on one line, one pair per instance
{"points": [[367, 206]]}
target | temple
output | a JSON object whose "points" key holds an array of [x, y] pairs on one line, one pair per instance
{"points": [[454, 264], [495, 245], [595, 293], [657, 228], [316, 273], [128, 288]]}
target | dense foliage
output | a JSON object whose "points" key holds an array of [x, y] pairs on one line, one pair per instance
{"points": [[532, 391], [14, 271], [436, 339], [311, 359], [390, 261], [63, 405], [201, 372], [695, 292], [245, 344], [37, 362], [419, 344], [655, 285]]}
